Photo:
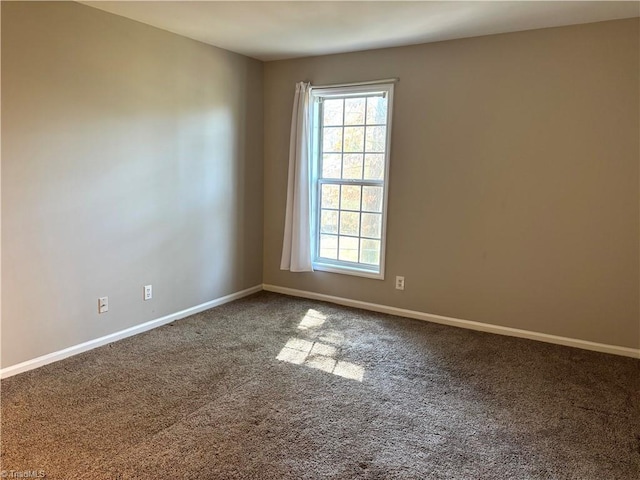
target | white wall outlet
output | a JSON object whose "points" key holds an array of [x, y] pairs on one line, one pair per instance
{"points": [[399, 283], [148, 292], [103, 304]]}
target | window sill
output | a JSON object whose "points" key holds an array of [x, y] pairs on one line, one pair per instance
{"points": [[324, 267]]}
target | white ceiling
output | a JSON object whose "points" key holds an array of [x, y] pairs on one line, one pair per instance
{"points": [[269, 30]]}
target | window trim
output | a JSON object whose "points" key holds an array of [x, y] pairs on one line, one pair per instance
{"points": [[341, 266]]}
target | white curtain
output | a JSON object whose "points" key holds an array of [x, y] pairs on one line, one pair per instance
{"points": [[296, 248]]}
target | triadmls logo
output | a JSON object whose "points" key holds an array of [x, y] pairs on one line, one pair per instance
{"points": [[22, 474]]}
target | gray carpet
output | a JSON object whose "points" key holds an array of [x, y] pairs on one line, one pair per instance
{"points": [[272, 387]]}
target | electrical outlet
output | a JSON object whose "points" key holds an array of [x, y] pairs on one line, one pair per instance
{"points": [[399, 283], [103, 304], [148, 292]]}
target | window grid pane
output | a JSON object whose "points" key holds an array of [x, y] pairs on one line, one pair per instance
{"points": [[348, 248], [329, 221], [351, 197], [371, 225], [331, 165], [352, 166], [329, 246], [332, 112], [370, 251]]}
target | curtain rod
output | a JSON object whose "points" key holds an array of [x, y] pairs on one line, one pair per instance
{"points": [[354, 84]]}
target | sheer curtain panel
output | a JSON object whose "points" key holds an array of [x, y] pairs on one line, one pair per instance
{"points": [[296, 247]]}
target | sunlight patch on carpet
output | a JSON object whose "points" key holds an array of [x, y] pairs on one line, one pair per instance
{"points": [[319, 355], [312, 319]]}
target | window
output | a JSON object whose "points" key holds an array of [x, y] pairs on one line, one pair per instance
{"points": [[350, 154]]}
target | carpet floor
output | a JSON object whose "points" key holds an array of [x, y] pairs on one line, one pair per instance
{"points": [[274, 387]]}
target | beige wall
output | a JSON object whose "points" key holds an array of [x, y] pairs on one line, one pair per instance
{"points": [[133, 156], [130, 156], [513, 193]]}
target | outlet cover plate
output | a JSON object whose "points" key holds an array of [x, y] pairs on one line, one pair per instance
{"points": [[103, 304]]}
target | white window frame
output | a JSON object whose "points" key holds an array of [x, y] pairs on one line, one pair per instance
{"points": [[341, 266]]}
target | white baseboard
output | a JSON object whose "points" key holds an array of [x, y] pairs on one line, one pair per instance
{"points": [[91, 344], [401, 312], [456, 322]]}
